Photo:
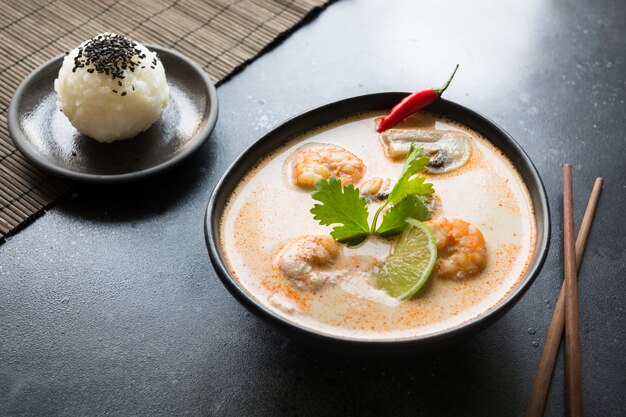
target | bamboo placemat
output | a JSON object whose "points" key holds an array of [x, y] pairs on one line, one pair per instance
{"points": [[221, 35]]}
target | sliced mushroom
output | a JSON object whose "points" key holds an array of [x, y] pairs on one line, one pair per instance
{"points": [[283, 303], [447, 149], [376, 189], [433, 204], [397, 142]]}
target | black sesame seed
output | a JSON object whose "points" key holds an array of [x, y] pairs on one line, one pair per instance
{"points": [[119, 83], [115, 91], [123, 93], [133, 87], [151, 67], [109, 54]]}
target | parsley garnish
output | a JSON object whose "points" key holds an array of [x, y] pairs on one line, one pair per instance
{"points": [[341, 206], [394, 220], [345, 207]]}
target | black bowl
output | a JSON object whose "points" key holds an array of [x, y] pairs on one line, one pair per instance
{"points": [[337, 111], [46, 138]]}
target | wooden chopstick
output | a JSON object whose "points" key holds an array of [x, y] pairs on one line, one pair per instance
{"points": [[573, 373], [541, 384]]}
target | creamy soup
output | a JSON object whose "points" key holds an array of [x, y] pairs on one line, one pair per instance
{"points": [[267, 212]]}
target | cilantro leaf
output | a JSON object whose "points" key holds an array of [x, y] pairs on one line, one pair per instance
{"points": [[394, 220], [409, 183], [341, 206], [415, 154], [406, 186]]}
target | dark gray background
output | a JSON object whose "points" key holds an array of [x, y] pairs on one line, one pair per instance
{"points": [[109, 305]]}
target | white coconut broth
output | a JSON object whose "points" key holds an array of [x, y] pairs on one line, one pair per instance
{"points": [[266, 212]]}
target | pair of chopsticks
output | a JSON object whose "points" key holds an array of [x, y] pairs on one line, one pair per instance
{"points": [[566, 309]]}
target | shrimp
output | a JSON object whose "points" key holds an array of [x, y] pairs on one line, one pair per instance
{"points": [[461, 247], [376, 189], [312, 163], [306, 261]]}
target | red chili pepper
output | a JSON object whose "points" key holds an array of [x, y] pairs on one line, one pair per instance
{"points": [[412, 103]]}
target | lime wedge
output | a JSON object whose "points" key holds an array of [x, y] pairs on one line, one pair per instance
{"points": [[408, 267]]}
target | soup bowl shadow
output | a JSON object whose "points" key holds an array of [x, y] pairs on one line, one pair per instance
{"points": [[326, 115]]}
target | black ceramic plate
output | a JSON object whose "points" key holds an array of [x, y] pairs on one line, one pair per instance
{"points": [[334, 112], [45, 136]]}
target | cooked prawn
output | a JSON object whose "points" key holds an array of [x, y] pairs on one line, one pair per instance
{"points": [[461, 247], [312, 163], [305, 261], [376, 188]]}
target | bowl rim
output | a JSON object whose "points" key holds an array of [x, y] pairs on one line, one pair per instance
{"points": [[211, 232], [198, 140]]}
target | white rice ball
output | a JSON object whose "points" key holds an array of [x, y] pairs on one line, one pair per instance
{"points": [[102, 97]]}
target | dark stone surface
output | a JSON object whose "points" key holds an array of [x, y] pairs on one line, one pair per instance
{"points": [[109, 305]]}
